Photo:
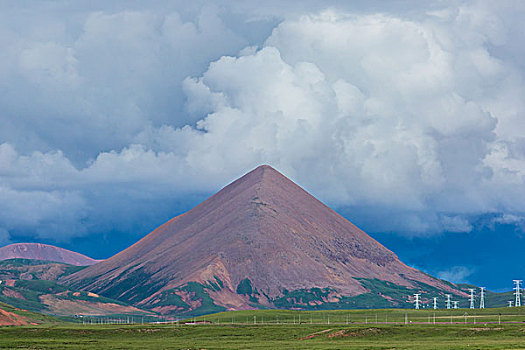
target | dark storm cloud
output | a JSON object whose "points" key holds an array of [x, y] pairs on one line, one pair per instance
{"points": [[111, 111]]}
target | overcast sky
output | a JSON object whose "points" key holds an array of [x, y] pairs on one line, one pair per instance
{"points": [[408, 117]]}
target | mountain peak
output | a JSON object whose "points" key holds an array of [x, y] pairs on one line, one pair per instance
{"points": [[264, 178], [264, 167], [260, 173]]}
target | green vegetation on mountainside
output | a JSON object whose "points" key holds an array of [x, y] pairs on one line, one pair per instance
{"points": [[194, 298], [25, 315], [135, 287], [381, 294], [27, 294], [195, 294], [28, 269], [26, 283]]}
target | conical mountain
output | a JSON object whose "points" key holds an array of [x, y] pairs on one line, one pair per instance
{"points": [[260, 241]]}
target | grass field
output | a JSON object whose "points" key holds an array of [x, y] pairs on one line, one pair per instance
{"points": [[379, 316], [481, 329]]}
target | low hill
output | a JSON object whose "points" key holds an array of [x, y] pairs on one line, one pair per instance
{"points": [[12, 316], [33, 285], [46, 252]]}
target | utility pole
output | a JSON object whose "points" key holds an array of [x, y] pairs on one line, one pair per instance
{"points": [[448, 301], [517, 293], [416, 300], [471, 298], [482, 298], [435, 303]]}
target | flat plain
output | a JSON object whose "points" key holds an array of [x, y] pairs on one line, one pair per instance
{"points": [[280, 329]]}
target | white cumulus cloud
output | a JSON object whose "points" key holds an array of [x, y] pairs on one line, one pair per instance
{"points": [[456, 274], [415, 118]]}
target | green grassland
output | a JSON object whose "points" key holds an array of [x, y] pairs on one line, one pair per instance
{"points": [[280, 329], [372, 316], [305, 319]]}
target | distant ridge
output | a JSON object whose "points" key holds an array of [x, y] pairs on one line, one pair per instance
{"points": [[39, 251], [262, 241]]}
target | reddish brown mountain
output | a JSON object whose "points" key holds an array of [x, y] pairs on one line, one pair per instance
{"points": [[260, 241], [40, 251]]}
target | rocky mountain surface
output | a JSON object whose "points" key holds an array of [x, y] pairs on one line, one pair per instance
{"points": [[261, 241]]}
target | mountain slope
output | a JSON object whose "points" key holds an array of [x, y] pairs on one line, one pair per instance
{"points": [[254, 243], [45, 252], [32, 285], [12, 316]]}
